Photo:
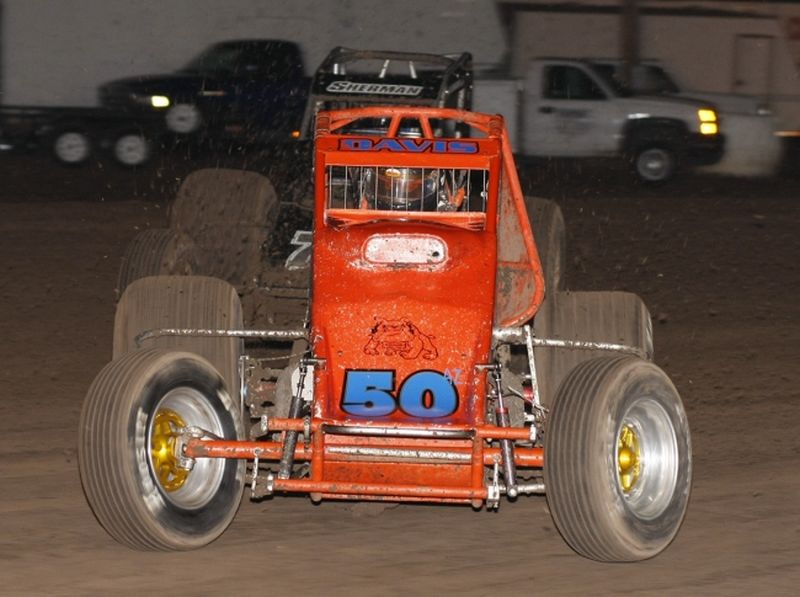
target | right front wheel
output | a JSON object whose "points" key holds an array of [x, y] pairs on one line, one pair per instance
{"points": [[617, 460]]}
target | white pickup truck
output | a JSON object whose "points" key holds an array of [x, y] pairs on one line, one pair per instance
{"points": [[568, 108], [753, 148]]}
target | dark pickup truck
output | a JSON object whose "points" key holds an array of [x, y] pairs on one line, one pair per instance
{"points": [[241, 90]]}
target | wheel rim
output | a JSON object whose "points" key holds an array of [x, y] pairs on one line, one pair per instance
{"points": [[629, 458], [178, 409], [131, 150], [654, 164], [646, 456], [183, 118], [72, 147], [167, 427]]}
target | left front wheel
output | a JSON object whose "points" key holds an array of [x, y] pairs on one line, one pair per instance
{"points": [[136, 480]]}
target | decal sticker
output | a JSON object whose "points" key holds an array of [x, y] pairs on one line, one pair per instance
{"points": [[425, 394], [390, 337], [408, 145], [300, 258], [374, 88]]}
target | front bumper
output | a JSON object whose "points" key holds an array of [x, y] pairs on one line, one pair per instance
{"points": [[703, 150]]}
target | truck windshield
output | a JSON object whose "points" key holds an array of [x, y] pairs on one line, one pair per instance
{"points": [[243, 58], [648, 79], [402, 189], [608, 73]]}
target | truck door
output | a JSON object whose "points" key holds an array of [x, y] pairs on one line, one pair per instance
{"points": [[268, 89], [567, 113]]}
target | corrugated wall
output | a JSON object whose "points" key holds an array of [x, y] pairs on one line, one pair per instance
{"points": [[56, 52]]}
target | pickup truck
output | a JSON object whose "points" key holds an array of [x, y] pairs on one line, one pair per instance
{"points": [[752, 146], [245, 90], [573, 109]]}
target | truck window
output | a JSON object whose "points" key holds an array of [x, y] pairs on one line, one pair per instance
{"points": [[272, 59], [570, 83], [404, 189]]}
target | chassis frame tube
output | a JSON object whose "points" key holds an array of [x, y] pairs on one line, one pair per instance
{"points": [[272, 451], [398, 429], [368, 489]]}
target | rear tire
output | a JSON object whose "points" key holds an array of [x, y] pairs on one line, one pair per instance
{"points": [[617, 460], [597, 316], [549, 233], [72, 146], [129, 461], [229, 214], [157, 252], [131, 149], [183, 302]]}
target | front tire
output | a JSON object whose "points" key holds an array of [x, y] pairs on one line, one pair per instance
{"points": [[184, 118], [655, 164], [547, 223], [130, 464], [617, 461]]}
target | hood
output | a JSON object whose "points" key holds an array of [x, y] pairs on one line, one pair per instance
{"points": [[664, 107], [730, 103], [158, 84], [378, 308]]}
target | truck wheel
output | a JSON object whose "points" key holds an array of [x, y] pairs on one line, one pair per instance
{"points": [[184, 118], [132, 471], [72, 147], [655, 164], [157, 252], [547, 223], [617, 460], [131, 149]]}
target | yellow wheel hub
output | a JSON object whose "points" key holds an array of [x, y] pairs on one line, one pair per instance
{"points": [[629, 458], [166, 464]]}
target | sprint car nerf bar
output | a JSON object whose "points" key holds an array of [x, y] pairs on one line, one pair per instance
{"points": [[521, 335], [290, 334]]}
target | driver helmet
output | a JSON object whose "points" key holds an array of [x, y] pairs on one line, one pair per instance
{"points": [[403, 189]]}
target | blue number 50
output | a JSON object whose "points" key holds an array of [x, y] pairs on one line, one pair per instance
{"points": [[368, 393], [424, 394]]}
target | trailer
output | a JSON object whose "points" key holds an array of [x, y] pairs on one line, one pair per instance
{"points": [[74, 135]]}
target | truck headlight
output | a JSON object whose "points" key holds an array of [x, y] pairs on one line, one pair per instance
{"points": [[708, 121], [159, 101]]}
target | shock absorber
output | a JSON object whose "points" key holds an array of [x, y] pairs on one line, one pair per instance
{"points": [[290, 437], [506, 445]]}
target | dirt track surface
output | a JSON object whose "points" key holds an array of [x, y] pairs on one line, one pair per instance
{"points": [[716, 261]]}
